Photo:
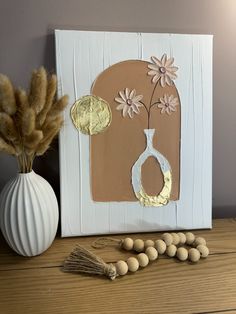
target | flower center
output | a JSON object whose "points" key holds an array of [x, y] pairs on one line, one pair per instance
{"points": [[162, 70], [167, 104], [129, 102]]}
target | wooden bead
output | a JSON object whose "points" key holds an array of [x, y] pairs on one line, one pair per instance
{"points": [[171, 250], [193, 255], [182, 238], [203, 250], [128, 244], [121, 268], [199, 240], [151, 253], [167, 238], [182, 254], [175, 238], [148, 243], [138, 245], [133, 264], [160, 246], [143, 259], [190, 237]]}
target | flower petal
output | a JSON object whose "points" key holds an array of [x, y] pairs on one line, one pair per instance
{"points": [[163, 59], [127, 91], [169, 62], [125, 110], [137, 104], [163, 110], [153, 67], [130, 112], [168, 111], [161, 106], [120, 107], [152, 72], [135, 109], [172, 108], [122, 95], [137, 98], [172, 69], [163, 81], [132, 94], [120, 100], [172, 75], [168, 80], [157, 61], [156, 78]]}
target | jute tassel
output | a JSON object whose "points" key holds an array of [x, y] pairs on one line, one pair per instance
{"points": [[84, 261]]}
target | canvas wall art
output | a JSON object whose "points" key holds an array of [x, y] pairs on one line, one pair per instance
{"points": [[136, 147]]}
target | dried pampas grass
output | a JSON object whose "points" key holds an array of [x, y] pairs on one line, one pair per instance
{"points": [[29, 122], [7, 97]]}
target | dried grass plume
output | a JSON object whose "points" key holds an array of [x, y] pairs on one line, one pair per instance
{"points": [[29, 122]]}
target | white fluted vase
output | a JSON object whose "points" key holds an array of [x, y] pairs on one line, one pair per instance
{"points": [[28, 214]]}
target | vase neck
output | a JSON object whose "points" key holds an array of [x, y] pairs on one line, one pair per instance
{"points": [[149, 136]]}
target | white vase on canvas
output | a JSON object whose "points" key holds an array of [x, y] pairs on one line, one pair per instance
{"points": [[28, 214]]}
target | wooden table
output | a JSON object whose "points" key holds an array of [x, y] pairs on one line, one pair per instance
{"points": [[37, 285]]}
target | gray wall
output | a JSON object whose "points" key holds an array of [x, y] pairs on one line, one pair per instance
{"points": [[26, 33]]}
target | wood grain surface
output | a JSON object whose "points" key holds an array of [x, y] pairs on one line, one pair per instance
{"points": [[37, 285]]}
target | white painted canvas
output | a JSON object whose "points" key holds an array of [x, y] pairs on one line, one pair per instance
{"points": [[80, 57]]}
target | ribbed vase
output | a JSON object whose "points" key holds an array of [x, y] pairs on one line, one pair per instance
{"points": [[28, 214]]}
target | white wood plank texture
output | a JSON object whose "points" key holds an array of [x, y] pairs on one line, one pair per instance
{"points": [[81, 56]]}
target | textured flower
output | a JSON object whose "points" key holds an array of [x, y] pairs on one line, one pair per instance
{"points": [[129, 102], [162, 70], [168, 104]]}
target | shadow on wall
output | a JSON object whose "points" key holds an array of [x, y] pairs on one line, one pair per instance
{"points": [[224, 212]]}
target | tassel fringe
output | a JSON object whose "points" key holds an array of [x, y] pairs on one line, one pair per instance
{"points": [[82, 260]]}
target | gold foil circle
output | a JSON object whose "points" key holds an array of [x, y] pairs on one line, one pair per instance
{"points": [[157, 200], [91, 114]]}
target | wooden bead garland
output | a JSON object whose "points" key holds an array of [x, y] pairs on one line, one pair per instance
{"points": [[175, 238], [133, 264], [182, 238], [194, 255], [138, 245], [128, 244], [171, 250], [204, 251], [182, 254], [152, 253], [160, 246], [121, 268], [167, 238], [190, 237], [84, 261], [148, 243], [143, 259]]}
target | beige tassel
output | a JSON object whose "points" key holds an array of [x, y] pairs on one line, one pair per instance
{"points": [[59, 106], [28, 121], [32, 140], [7, 148], [21, 100], [7, 127], [7, 97], [38, 89], [51, 91], [84, 261], [46, 142]]}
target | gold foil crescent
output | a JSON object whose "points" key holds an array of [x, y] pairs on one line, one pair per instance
{"points": [[91, 114], [157, 200]]}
